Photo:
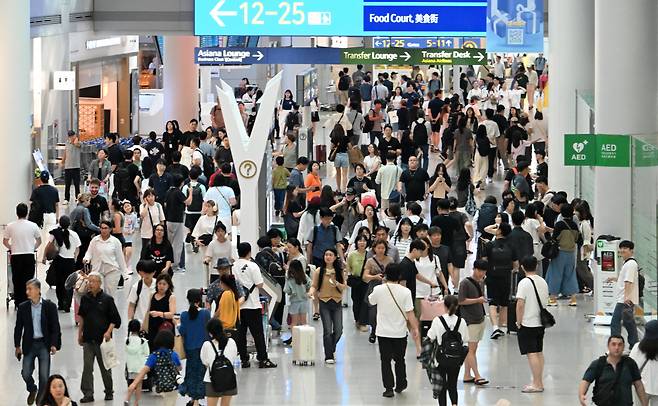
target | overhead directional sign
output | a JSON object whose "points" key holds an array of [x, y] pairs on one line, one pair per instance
{"points": [[396, 56], [344, 17], [429, 42]]}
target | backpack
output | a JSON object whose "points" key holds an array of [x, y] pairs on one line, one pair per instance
{"points": [[292, 120], [222, 373], [197, 199], [369, 124], [122, 181], [420, 133], [36, 214], [337, 132], [344, 83], [483, 145], [208, 166], [269, 262], [487, 216], [165, 372], [452, 351]]}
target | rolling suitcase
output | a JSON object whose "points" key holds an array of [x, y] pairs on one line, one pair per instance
{"points": [[10, 282], [511, 308], [303, 345], [321, 153]]}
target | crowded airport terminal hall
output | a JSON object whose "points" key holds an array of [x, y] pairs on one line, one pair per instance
{"points": [[337, 203]]}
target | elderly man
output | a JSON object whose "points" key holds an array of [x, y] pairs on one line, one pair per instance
{"points": [[37, 328], [98, 319]]}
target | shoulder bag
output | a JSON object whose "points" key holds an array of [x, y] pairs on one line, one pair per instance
{"points": [[551, 248], [547, 319], [406, 319], [353, 280]]}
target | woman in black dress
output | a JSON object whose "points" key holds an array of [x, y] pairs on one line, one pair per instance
{"points": [[162, 308]]}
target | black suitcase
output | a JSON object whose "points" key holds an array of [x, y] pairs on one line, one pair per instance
{"points": [[511, 308]]}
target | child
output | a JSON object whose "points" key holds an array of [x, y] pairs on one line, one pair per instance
{"points": [[297, 286], [137, 351], [130, 225], [165, 366], [280, 177]]}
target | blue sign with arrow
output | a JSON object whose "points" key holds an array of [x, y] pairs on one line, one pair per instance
{"points": [[345, 18]]}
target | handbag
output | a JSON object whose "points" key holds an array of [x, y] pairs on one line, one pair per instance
{"points": [[551, 248], [51, 251], [315, 116], [179, 346], [546, 318], [206, 239], [332, 154], [353, 280]]}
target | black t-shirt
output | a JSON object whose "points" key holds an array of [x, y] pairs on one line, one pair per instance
{"points": [[358, 184], [174, 207], [133, 173], [408, 149], [154, 149], [412, 114], [502, 122], [408, 272], [388, 145], [542, 169], [114, 154], [445, 258], [448, 226], [178, 169], [415, 182], [435, 105], [160, 184], [501, 254], [340, 142], [47, 197], [97, 205], [171, 142], [223, 155], [160, 254], [188, 136]]}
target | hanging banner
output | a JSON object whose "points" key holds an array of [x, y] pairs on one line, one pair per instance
{"points": [[515, 25]]}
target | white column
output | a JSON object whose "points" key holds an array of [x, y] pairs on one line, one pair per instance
{"points": [[571, 67], [181, 80], [16, 140], [626, 58]]}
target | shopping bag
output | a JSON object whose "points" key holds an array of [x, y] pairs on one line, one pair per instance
{"points": [[109, 354], [179, 347]]}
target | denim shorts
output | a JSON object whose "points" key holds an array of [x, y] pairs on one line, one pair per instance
{"points": [[342, 160], [298, 307]]}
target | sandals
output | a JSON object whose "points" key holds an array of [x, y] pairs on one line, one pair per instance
{"points": [[531, 389], [481, 382], [316, 316], [472, 380]]}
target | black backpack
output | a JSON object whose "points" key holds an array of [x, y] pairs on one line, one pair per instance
{"points": [[122, 181], [483, 145], [222, 373], [197, 198], [369, 124], [452, 351], [164, 372], [208, 165], [269, 262], [344, 83], [35, 214], [420, 133]]}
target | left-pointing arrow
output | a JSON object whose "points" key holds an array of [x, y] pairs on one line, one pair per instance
{"points": [[259, 55], [215, 13]]}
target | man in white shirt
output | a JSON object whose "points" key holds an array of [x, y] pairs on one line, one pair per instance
{"points": [[247, 272], [481, 95], [139, 296], [395, 308], [494, 136], [627, 293], [22, 238], [499, 68], [528, 321]]}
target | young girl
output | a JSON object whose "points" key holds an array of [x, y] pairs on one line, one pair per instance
{"points": [[297, 286], [137, 351], [166, 366], [130, 225]]}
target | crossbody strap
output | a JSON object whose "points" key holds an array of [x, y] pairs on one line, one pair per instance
{"points": [[541, 307], [396, 303]]}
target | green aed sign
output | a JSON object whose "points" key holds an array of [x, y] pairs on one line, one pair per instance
{"points": [[645, 155], [597, 150]]}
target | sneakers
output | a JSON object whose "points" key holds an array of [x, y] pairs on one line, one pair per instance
{"points": [[573, 303], [87, 399], [180, 270], [31, 397], [552, 302], [497, 333], [245, 364], [266, 364], [401, 388], [330, 361], [388, 393], [109, 396]]}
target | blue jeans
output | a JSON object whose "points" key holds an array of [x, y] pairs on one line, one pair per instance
{"points": [[561, 274], [279, 197], [331, 313], [41, 352], [426, 155], [624, 313]]}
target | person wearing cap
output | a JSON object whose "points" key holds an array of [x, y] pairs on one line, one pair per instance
{"points": [[223, 266], [46, 197], [71, 163], [350, 208], [645, 355]]}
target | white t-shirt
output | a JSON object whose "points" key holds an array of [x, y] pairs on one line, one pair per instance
{"points": [[628, 273], [22, 235], [157, 215], [428, 267], [68, 253], [144, 302], [390, 321], [218, 250], [248, 273], [526, 292], [436, 330], [208, 354], [222, 196]]}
